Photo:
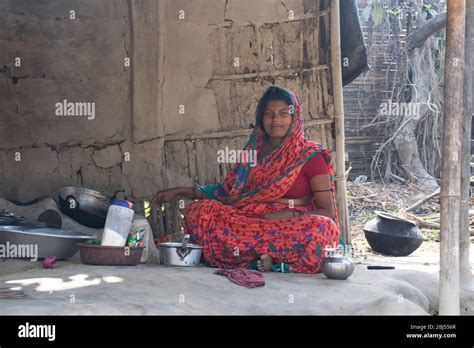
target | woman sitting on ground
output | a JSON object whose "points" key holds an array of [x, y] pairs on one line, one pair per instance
{"points": [[280, 212]]}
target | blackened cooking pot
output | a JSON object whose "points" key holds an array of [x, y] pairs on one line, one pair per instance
{"points": [[88, 207], [393, 236]]}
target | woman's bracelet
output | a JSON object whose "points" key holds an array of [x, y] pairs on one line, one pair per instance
{"points": [[322, 190]]}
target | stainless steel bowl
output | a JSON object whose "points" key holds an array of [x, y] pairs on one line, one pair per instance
{"points": [[50, 241], [338, 267]]}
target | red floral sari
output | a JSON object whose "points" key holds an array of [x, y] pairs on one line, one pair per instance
{"points": [[230, 224]]}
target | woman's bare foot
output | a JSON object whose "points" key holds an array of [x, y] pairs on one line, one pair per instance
{"points": [[265, 263]]}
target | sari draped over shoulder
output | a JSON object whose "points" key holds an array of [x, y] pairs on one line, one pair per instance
{"points": [[230, 224]]}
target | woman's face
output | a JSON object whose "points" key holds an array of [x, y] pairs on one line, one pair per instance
{"points": [[277, 119]]}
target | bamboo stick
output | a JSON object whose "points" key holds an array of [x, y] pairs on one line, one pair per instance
{"points": [[419, 221], [237, 133], [450, 196], [167, 216], [191, 156], [177, 220], [158, 221], [154, 222], [273, 73], [421, 201], [306, 16], [320, 85], [466, 279], [325, 99], [200, 162], [324, 136], [341, 195], [360, 141], [317, 39]]}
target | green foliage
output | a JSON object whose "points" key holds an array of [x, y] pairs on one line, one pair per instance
{"points": [[374, 10], [377, 13], [394, 12], [428, 11], [369, 217]]}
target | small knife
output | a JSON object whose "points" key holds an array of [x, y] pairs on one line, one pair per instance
{"points": [[380, 267]]}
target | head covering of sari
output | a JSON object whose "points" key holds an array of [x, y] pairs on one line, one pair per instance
{"points": [[276, 170]]}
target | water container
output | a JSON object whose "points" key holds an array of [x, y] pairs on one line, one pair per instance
{"points": [[141, 225], [118, 223]]}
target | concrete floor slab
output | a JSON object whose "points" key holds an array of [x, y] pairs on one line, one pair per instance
{"points": [[73, 288]]}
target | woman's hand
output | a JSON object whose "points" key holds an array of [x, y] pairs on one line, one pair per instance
{"points": [[164, 196]]}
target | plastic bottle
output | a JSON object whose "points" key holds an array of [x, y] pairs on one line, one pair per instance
{"points": [[141, 225], [117, 224]]}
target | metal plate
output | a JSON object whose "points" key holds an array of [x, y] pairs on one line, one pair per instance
{"points": [[49, 241], [47, 231]]}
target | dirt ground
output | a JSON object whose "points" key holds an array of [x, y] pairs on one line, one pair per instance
{"points": [[367, 197]]}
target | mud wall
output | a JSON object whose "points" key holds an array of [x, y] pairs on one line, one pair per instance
{"points": [[171, 81]]}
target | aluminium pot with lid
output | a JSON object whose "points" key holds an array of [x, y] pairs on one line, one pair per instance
{"points": [[180, 254]]}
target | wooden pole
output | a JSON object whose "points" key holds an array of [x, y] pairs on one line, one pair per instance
{"points": [[336, 70], [450, 195], [466, 279]]}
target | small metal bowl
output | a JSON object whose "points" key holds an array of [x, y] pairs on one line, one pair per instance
{"points": [[338, 267]]}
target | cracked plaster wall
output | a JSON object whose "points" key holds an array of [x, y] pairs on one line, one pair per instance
{"points": [[80, 60], [174, 62]]}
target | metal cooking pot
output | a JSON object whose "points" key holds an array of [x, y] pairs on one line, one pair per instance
{"points": [[88, 207], [393, 236], [180, 254]]}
